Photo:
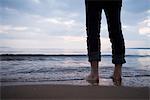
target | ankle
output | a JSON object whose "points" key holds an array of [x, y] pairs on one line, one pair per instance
{"points": [[94, 68], [94, 75], [118, 65], [117, 71], [94, 63]]}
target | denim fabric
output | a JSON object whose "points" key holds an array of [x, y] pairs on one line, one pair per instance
{"points": [[93, 21], [94, 56]]}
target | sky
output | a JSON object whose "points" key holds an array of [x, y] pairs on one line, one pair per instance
{"points": [[60, 24]]}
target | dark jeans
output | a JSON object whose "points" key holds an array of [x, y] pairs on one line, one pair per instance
{"points": [[93, 22]]}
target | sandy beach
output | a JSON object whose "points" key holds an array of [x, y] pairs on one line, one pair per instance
{"points": [[73, 92]]}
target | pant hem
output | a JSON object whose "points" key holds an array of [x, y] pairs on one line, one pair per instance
{"points": [[95, 56]]}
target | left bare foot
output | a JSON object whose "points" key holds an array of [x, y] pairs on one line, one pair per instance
{"points": [[92, 79], [117, 75]]}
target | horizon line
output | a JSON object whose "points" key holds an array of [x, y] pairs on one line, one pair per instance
{"points": [[77, 49], [57, 55]]}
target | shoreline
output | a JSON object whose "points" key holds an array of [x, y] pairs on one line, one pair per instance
{"points": [[103, 82], [73, 92]]}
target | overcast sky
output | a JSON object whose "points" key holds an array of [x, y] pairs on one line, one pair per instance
{"points": [[61, 24]]}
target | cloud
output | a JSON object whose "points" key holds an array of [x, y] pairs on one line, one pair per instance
{"points": [[58, 21], [55, 24], [59, 25], [144, 26], [145, 31], [37, 1], [8, 9], [60, 42], [9, 29], [136, 43], [19, 32]]}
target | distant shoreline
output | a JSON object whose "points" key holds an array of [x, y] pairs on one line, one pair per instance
{"points": [[138, 48], [65, 55]]}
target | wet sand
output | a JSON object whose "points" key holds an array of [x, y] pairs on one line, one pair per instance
{"points": [[73, 92]]}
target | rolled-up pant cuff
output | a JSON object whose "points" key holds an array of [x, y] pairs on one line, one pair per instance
{"points": [[117, 59], [95, 56]]}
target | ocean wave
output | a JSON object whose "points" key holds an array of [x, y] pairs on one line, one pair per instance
{"points": [[62, 79], [66, 74], [41, 57]]}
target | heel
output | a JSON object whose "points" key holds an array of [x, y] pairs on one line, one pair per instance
{"points": [[117, 82], [92, 81]]}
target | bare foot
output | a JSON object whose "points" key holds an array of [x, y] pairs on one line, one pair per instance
{"points": [[92, 79], [117, 75], [117, 82]]}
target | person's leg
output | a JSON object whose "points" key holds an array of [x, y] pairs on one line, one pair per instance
{"points": [[116, 38], [117, 71], [94, 69], [93, 17]]}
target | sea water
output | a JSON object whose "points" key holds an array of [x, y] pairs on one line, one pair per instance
{"points": [[72, 68]]}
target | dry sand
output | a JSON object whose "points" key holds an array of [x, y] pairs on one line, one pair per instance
{"points": [[73, 92]]}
